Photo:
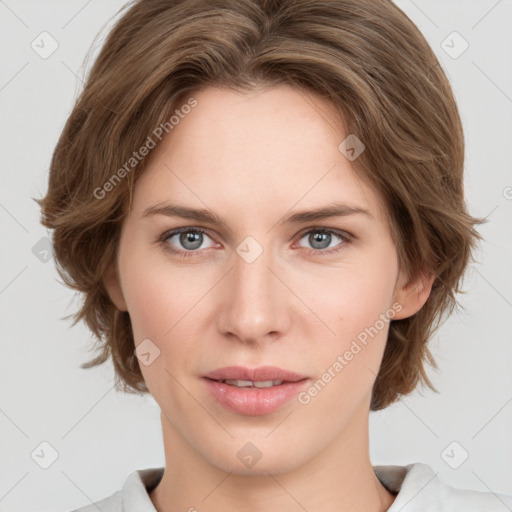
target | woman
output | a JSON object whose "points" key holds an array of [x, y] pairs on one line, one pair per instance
{"points": [[262, 202]]}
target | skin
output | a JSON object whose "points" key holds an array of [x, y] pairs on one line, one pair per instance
{"points": [[252, 158]]}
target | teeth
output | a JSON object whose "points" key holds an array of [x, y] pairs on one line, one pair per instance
{"points": [[250, 383]]}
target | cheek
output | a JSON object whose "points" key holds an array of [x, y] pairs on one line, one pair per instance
{"points": [[165, 306], [356, 304], [352, 297], [157, 293], [159, 303], [151, 304]]}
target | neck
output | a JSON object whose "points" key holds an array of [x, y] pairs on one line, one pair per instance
{"points": [[339, 479]]}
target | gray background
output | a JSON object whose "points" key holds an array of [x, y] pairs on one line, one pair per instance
{"points": [[101, 436]]}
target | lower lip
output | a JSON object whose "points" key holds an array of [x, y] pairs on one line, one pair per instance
{"points": [[254, 401]]}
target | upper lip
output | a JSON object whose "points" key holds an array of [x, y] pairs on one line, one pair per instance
{"points": [[260, 374]]}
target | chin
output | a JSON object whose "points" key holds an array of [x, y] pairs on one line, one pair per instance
{"points": [[245, 458]]}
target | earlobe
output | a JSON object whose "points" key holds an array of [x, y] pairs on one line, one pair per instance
{"points": [[113, 286], [413, 295]]}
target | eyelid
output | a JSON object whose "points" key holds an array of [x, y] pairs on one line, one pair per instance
{"points": [[346, 238], [339, 232], [176, 231]]}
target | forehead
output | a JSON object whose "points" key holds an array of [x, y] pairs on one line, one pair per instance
{"points": [[273, 148]]}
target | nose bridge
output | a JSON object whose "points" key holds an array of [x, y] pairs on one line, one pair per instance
{"points": [[254, 304]]}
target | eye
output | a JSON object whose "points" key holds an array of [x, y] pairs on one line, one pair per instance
{"points": [[322, 239], [187, 240]]}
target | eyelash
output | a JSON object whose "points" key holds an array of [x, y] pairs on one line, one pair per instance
{"points": [[343, 236]]}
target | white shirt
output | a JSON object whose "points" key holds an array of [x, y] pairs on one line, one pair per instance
{"points": [[418, 487]]}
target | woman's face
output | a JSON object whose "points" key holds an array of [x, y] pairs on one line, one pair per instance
{"points": [[264, 286]]}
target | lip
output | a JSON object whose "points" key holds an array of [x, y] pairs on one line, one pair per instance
{"points": [[262, 373], [254, 401]]}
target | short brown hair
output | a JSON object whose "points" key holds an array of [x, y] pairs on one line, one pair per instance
{"points": [[365, 56]]}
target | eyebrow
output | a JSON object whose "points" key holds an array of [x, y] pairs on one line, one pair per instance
{"points": [[202, 215]]}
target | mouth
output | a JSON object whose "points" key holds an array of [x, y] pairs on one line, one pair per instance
{"points": [[261, 375], [254, 392], [251, 383]]}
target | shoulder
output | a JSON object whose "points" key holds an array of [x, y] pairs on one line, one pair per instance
{"points": [[134, 495], [420, 489]]}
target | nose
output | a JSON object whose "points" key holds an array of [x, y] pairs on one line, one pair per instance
{"points": [[255, 305]]}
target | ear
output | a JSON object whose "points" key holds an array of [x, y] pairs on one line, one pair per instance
{"points": [[113, 286], [412, 294]]}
